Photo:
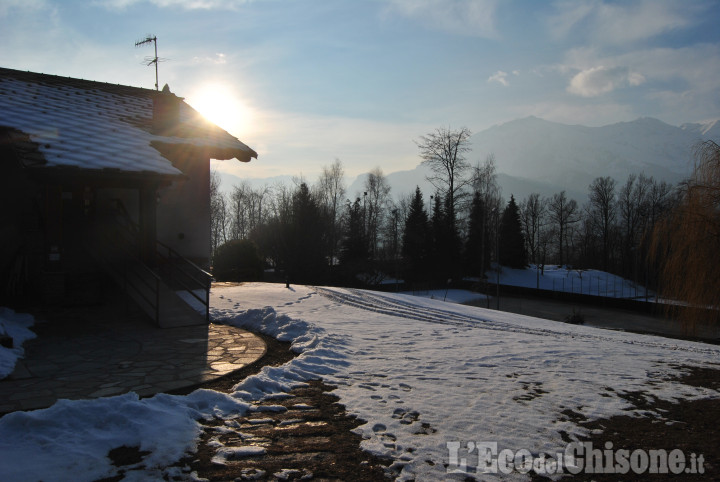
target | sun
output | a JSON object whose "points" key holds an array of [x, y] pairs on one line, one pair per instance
{"points": [[219, 104]]}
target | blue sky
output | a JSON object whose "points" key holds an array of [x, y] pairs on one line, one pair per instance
{"points": [[304, 82]]}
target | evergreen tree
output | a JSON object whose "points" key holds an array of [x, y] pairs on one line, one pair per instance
{"points": [[445, 241], [478, 244], [438, 248], [512, 242], [354, 254], [416, 240], [305, 256]]}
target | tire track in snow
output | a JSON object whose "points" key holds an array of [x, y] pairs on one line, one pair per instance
{"points": [[371, 301]]}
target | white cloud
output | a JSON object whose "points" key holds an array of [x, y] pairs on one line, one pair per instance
{"points": [[602, 80], [6, 6], [218, 59], [184, 4], [474, 18], [500, 77], [621, 23]]}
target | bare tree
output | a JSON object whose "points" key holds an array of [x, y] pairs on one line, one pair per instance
{"points": [[563, 213], [687, 244], [377, 192], [487, 190], [444, 152], [633, 207], [218, 212], [532, 212], [331, 193], [247, 209], [602, 211]]}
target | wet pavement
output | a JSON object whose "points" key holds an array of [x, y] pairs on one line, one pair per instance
{"points": [[95, 352]]}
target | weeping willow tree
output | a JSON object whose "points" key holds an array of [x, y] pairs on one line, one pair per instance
{"points": [[686, 245]]}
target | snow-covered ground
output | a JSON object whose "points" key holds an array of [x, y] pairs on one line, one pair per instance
{"points": [[422, 373], [16, 326], [558, 278]]}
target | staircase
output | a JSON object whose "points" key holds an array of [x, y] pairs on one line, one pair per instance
{"points": [[174, 293]]}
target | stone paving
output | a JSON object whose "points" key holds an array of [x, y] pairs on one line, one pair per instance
{"points": [[105, 351]]}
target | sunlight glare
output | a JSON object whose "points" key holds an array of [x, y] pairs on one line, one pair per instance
{"points": [[219, 104]]}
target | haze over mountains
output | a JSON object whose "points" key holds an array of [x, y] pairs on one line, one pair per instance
{"points": [[535, 155]]}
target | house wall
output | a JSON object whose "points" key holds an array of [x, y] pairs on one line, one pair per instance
{"points": [[21, 242], [128, 197], [183, 211]]}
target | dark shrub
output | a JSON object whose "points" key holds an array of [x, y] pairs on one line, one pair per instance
{"points": [[237, 260]]}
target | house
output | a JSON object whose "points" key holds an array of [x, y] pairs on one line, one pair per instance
{"points": [[105, 182]]}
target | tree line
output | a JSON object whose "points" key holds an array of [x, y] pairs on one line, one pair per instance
{"points": [[316, 233]]}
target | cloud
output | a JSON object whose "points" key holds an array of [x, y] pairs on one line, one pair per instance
{"points": [[621, 23], [184, 4], [218, 59], [500, 77], [7, 6], [473, 18], [602, 80]]}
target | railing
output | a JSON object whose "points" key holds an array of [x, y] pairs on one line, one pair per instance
{"points": [[176, 270], [149, 279], [183, 273], [129, 232], [136, 277]]}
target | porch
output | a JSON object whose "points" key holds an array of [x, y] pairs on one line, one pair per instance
{"points": [[97, 351]]}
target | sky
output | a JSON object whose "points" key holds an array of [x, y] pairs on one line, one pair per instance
{"points": [[305, 82]]}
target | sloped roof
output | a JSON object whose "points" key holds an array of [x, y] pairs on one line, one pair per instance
{"points": [[62, 121]]}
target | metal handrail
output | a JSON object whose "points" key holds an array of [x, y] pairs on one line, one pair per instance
{"points": [[191, 278], [198, 277], [136, 273]]}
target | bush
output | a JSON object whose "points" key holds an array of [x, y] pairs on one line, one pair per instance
{"points": [[237, 260]]}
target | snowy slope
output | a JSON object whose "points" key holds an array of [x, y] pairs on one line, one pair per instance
{"points": [[421, 372]]}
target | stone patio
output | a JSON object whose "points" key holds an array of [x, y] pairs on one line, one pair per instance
{"points": [[94, 352]]}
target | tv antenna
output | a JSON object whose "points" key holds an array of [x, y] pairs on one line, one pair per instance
{"points": [[151, 60]]}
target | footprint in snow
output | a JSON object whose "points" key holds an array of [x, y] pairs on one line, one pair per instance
{"points": [[406, 417], [388, 439]]}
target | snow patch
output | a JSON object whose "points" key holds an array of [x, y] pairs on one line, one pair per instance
{"points": [[16, 326]]}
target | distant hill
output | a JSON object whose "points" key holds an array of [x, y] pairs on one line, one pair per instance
{"points": [[571, 156], [535, 155]]}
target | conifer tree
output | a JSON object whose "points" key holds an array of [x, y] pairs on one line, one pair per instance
{"points": [[416, 242], [304, 253], [512, 242], [477, 246], [354, 254]]}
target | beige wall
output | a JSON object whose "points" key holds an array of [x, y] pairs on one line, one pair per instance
{"points": [[183, 212]]}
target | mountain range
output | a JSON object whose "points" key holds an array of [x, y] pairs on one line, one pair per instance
{"points": [[536, 155]]}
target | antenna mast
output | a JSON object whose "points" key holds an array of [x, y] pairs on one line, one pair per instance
{"points": [[151, 60]]}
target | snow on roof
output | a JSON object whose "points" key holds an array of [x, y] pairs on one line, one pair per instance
{"points": [[95, 125]]}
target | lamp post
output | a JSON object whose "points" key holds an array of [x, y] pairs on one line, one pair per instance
{"points": [[497, 256], [537, 252], [395, 248], [495, 213]]}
